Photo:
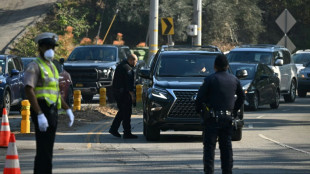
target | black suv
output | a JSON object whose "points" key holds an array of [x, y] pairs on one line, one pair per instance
{"points": [[171, 86], [278, 58], [92, 67]]}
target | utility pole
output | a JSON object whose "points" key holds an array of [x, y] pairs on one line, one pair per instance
{"points": [[153, 29], [197, 21]]}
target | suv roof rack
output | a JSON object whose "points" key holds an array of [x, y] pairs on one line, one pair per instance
{"points": [[261, 46], [210, 48]]}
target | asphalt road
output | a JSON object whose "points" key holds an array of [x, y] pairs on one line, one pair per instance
{"points": [[17, 15], [274, 141]]}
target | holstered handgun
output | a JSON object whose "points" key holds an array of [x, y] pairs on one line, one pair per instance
{"points": [[206, 113]]}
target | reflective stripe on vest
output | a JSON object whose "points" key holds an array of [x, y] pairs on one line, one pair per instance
{"points": [[50, 89]]}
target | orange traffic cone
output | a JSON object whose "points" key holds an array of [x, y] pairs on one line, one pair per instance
{"points": [[5, 130], [12, 162]]}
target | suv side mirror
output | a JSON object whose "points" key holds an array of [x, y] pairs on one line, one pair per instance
{"points": [[62, 61], [241, 73], [14, 72], [144, 73], [279, 62]]}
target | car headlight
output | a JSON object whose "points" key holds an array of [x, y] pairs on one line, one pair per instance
{"points": [[159, 93], [302, 74], [246, 86], [104, 72]]}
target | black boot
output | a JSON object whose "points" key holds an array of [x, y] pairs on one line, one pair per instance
{"points": [[114, 133], [129, 136]]}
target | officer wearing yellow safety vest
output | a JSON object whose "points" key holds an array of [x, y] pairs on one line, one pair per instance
{"points": [[42, 90]]}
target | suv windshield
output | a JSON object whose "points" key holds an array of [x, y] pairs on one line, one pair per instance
{"points": [[250, 57], [302, 58], [185, 65], [93, 54]]}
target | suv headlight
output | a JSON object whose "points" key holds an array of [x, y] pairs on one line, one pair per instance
{"points": [[301, 74], [246, 86], [159, 93], [104, 72]]}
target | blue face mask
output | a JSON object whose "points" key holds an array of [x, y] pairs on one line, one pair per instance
{"points": [[49, 54]]}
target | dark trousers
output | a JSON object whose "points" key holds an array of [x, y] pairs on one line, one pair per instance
{"points": [[221, 129], [124, 104], [45, 140]]}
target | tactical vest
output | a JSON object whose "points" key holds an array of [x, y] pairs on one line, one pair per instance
{"points": [[50, 89]]}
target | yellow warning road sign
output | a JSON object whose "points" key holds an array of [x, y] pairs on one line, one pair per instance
{"points": [[167, 27]]}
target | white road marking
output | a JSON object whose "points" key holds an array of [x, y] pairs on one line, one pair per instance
{"points": [[283, 145], [285, 110], [261, 116], [250, 126]]}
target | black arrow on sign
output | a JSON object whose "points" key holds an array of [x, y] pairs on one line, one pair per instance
{"points": [[169, 26]]}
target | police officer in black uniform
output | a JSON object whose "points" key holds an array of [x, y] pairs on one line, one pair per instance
{"points": [[123, 89], [218, 93]]}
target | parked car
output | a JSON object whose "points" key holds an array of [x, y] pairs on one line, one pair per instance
{"points": [[278, 58], [65, 82], [304, 81], [170, 87], [11, 82], [261, 86], [301, 58]]}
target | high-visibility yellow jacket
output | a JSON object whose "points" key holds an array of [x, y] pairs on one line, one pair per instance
{"points": [[50, 89]]}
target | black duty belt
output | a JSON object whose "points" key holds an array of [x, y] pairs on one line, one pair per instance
{"points": [[222, 112]]}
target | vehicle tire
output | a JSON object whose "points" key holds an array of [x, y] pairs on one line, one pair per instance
{"points": [[69, 99], [254, 104], [302, 93], [292, 95], [6, 102], [276, 103], [236, 134], [144, 130], [152, 132], [87, 97]]}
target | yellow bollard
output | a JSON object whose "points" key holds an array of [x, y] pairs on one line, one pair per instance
{"points": [[103, 96], [139, 93], [25, 123], [77, 100]]}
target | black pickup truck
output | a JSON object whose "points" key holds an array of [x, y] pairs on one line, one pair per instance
{"points": [[92, 67]]}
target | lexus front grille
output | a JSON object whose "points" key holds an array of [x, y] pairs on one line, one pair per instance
{"points": [[184, 105]]}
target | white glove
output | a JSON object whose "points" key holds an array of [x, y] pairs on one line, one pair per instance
{"points": [[71, 117], [42, 121]]}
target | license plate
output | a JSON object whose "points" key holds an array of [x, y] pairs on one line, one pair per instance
{"points": [[79, 85]]}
